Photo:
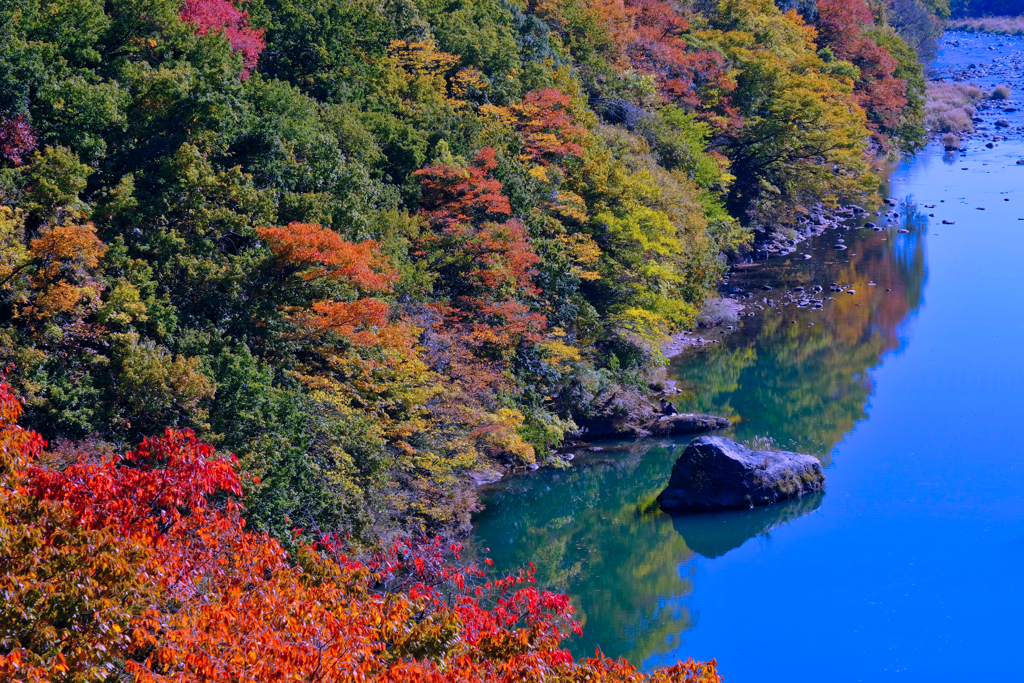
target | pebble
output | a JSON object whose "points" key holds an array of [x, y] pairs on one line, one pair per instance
{"points": [[851, 291]]}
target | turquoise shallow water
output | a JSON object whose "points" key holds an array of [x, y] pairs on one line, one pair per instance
{"points": [[910, 565]]}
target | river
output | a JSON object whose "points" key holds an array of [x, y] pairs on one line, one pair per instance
{"points": [[909, 566]]}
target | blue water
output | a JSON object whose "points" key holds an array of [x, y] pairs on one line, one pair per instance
{"points": [[910, 567]]}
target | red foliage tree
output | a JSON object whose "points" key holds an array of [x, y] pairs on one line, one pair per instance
{"points": [[16, 139], [658, 47], [883, 96], [485, 257], [649, 36], [220, 16]]}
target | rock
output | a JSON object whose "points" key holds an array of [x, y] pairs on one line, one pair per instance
{"points": [[533, 466], [945, 222], [766, 288], [851, 291], [486, 475], [628, 413], [869, 224], [715, 473], [687, 423], [840, 246], [1002, 123]]}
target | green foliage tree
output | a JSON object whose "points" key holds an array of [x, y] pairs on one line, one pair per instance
{"points": [[376, 248]]}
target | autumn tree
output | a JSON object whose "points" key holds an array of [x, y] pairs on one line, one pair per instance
{"points": [[16, 139], [484, 256], [222, 17], [881, 94]]}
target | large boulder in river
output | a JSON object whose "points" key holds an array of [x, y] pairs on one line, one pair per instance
{"points": [[715, 473]]}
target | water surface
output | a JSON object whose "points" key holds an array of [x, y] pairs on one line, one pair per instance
{"points": [[909, 566]]}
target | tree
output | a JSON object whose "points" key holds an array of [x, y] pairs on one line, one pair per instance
{"points": [[486, 266], [221, 17], [16, 139], [843, 27]]}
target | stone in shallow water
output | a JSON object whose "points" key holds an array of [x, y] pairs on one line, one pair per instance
{"points": [[715, 473]]}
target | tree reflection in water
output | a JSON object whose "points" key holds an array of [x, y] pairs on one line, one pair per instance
{"points": [[594, 531]]}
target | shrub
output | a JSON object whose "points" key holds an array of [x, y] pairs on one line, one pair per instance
{"points": [[950, 107], [950, 142], [139, 566], [1001, 92], [954, 121], [717, 311]]}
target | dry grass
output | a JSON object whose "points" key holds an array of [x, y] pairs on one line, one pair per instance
{"points": [[950, 142], [718, 312], [1006, 26], [950, 107], [1001, 92]]}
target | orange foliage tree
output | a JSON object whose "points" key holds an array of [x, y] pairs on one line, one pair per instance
{"points": [[310, 252], [547, 126], [66, 278], [484, 257], [140, 567]]}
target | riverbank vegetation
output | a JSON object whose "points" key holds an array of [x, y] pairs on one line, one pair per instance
{"points": [[378, 250]]}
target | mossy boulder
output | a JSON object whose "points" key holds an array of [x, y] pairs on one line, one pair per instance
{"points": [[715, 473]]}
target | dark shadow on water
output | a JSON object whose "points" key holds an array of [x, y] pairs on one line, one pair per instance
{"points": [[714, 534]]}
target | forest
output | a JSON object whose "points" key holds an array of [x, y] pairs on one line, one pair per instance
{"points": [[329, 261]]}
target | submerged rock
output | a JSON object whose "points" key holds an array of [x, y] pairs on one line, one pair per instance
{"points": [[715, 473], [687, 423]]}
